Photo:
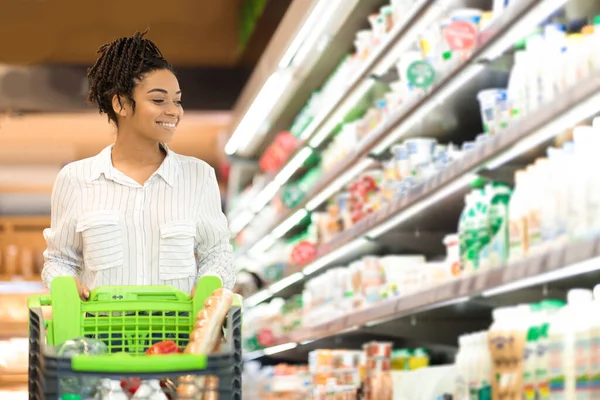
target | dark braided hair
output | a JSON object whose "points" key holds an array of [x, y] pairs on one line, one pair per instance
{"points": [[121, 65]]}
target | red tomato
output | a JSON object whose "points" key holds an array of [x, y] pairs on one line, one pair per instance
{"points": [[166, 347]]}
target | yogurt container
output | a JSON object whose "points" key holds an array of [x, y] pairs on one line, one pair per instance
{"points": [[420, 155], [400, 152], [493, 105]]}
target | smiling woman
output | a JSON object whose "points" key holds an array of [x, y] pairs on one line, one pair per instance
{"points": [[137, 213]]}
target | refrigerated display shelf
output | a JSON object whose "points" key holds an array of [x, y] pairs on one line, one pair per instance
{"points": [[361, 76], [551, 265], [496, 33], [572, 107]]}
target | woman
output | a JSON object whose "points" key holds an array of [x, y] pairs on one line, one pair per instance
{"points": [[137, 213]]}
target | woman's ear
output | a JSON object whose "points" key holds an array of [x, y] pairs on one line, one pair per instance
{"points": [[119, 106]]}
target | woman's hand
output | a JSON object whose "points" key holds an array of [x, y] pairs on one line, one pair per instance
{"points": [[82, 289]]}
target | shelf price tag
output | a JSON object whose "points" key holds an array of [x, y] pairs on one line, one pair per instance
{"points": [[465, 285], [480, 281], [421, 74], [535, 265]]}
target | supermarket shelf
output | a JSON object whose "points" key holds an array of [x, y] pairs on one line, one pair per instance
{"points": [[400, 31], [425, 316], [572, 107], [492, 43], [355, 86]]}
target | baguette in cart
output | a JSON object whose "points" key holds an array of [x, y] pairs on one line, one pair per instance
{"points": [[135, 342]]}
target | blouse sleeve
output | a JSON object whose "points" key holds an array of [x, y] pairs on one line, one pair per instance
{"points": [[63, 255], [214, 251]]}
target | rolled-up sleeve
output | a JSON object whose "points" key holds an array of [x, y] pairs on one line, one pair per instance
{"points": [[63, 253], [214, 251]]}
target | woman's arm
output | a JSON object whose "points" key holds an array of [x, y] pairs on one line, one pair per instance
{"points": [[63, 256], [213, 251]]}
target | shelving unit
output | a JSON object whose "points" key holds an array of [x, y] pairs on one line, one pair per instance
{"points": [[417, 221]]}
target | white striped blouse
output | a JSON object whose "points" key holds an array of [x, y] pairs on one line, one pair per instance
{"points": [[109, 230]]}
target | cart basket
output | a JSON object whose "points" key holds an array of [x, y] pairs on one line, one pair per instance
{"points": [[128, 319]]}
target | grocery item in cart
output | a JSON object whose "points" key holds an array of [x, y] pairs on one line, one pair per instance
{"points": [[118, 316], [88, 385], [206, 336]]}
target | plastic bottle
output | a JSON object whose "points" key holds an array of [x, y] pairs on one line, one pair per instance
{"points": [[484, 367], [469, 224], [473, 367], [549, 309], [538, 179], [516, 89], [569, 332], [496, 200], [520, 320], [530, 354], [553, 52], [461, 386], [506, 340], [518, 217], [587, 140], [498, 348], [499, 221], [555, 205], [582, 196], [594, 367], [595, 42]]}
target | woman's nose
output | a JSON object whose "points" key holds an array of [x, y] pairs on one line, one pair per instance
{"points": [[173, 110]]}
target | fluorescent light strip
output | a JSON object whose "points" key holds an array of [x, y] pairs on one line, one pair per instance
{"points": [[269, 351], [289, 223], [433, 101], [411, 211], [579, 268], [293, 165], [285, 282], [265, 195], [306, 28], [334, 256], [258, 111], [259, 248], [522, 28], [338, 184], [257, 298], [241, 221], [575, 115], [323, 133], [324, 16]]}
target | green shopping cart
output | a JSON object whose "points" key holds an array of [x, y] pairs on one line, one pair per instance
{"points": [[128, 319]]}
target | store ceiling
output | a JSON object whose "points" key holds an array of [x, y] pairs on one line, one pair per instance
{"points": [[46, 47], [190, 32]]}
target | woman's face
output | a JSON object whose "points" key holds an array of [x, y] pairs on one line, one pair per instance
{"points": [[158, 107]]}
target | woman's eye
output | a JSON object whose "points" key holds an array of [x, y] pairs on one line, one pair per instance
{"points": [[158, 101], [179, 102]]}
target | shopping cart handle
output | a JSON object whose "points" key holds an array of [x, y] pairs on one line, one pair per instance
{"points": [[137, 293], [39, 300], [129, 364]]}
